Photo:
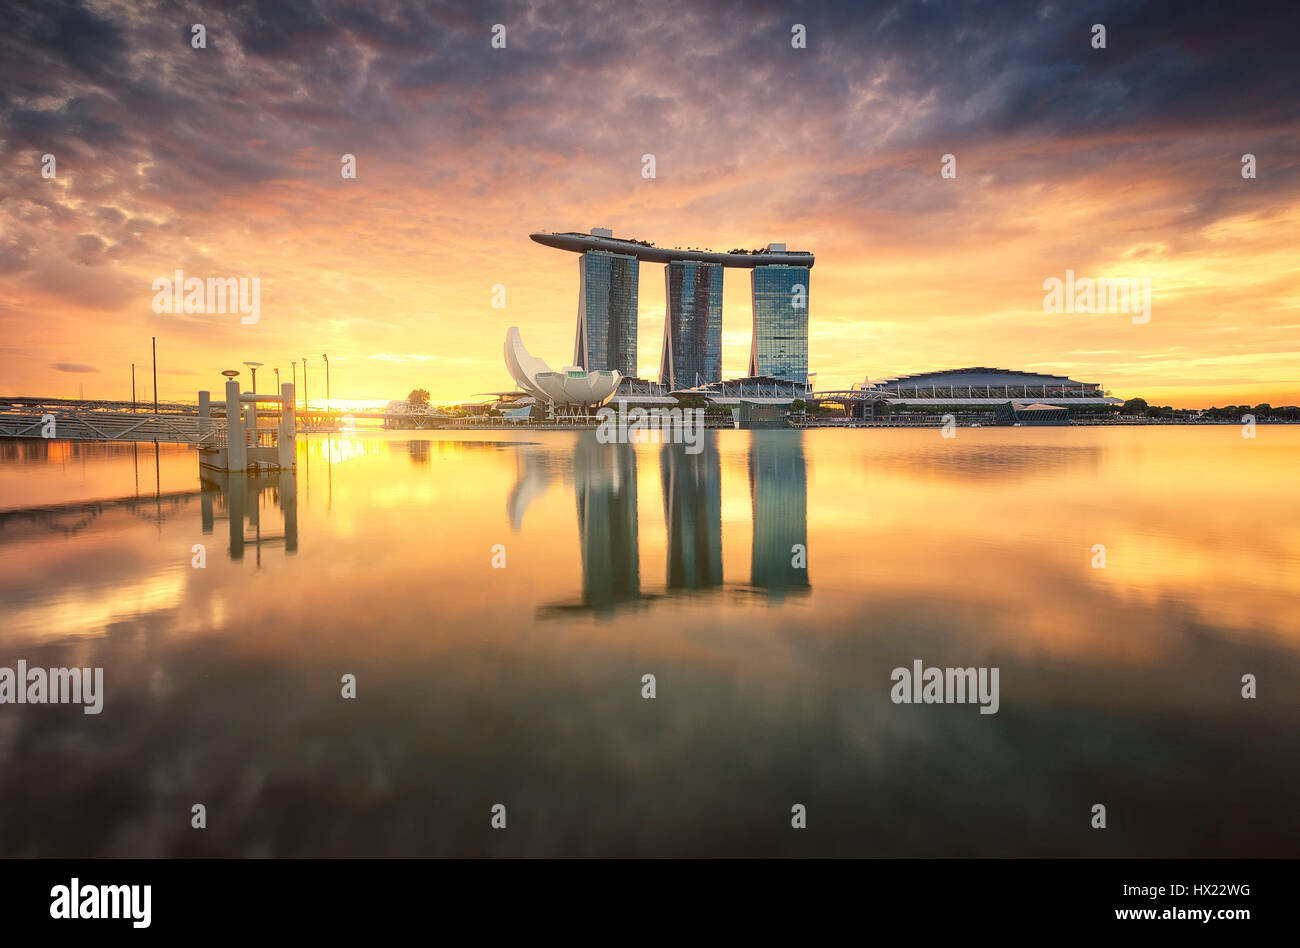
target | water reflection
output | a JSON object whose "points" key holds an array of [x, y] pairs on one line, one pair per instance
{"points": [[605, 488], [1117, 683], [604, 482], [692, 487], [237, 498], [778, 489]]}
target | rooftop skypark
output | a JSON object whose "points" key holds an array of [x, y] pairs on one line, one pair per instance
{"points": [[644, 250]]}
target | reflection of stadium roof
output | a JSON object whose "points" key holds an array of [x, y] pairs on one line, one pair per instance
{"points": [[571, 386]]}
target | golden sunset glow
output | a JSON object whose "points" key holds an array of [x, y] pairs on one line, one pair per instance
{"points": [[225, 163]]}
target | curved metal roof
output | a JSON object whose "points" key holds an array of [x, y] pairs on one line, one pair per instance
{"points": [[580, 243], [979, 375]]}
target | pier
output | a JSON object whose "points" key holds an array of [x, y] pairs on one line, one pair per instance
{"points": [[239, 436], [239, 444]]}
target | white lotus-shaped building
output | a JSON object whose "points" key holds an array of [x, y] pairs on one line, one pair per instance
{"points": [[570, 386]]}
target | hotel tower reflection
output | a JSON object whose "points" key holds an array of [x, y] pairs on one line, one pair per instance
{"points": [[605, 479], [692, 485], [778, 490]]}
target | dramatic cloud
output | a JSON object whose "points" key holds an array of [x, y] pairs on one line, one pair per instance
{"points": [[225, 161]]}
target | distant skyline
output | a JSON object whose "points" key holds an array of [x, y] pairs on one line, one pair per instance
{"points": [[225, 162]]}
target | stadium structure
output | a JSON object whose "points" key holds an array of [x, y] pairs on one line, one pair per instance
{"points": [[980, 389]]}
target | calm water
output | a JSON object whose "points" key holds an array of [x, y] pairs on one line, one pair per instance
{"points": [[522, 685]]}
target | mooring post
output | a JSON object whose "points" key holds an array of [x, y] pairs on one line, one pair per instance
{"points": [[287, 437], [205, 415], [236, 440]]}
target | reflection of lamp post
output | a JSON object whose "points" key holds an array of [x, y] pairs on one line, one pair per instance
{"points": [[254, 366], [327, 380]]}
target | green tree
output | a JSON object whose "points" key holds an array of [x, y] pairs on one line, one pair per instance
{"points": [[1134, 406], [418, 399]]}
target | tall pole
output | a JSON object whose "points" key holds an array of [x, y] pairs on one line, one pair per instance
{"points": [[327, 380], [277, 378], [133, 387], [304, 383], [294, 363], [154, 342]]}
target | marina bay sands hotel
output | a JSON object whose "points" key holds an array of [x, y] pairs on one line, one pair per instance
{"points": [[608, 273]]}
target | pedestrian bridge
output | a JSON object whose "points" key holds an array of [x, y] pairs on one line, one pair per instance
{"points": [[84, 421]]}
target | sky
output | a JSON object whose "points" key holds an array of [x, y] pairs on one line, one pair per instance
{"points": [[225, 161]]}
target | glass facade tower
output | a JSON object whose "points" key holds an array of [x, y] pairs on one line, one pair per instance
{"points": [[607, 297], [692, 353], [780, 343]]}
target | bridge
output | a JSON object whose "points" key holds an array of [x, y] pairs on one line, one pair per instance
{"points": [[67, 419], [175, 422], [230, 439]]}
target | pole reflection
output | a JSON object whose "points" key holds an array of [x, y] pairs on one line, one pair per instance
{"points": [[237, 498]]}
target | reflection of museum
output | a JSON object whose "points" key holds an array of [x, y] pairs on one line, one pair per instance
{"points": [[605, 487]]}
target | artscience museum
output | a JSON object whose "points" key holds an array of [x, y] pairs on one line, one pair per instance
{"points": [[570, 388]]}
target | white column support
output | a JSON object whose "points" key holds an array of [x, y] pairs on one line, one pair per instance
{"points": [[287, 435], [236, 439]]}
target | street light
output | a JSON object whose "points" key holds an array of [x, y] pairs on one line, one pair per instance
{"points": [[254, 366], [304, 383], [277, 380], [327, 380], [294, 363]]}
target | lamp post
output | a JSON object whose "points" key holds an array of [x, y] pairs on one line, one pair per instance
{"points": [[254, 366], [327, 380], [294, 363], [277, 379], [304, 383]]}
